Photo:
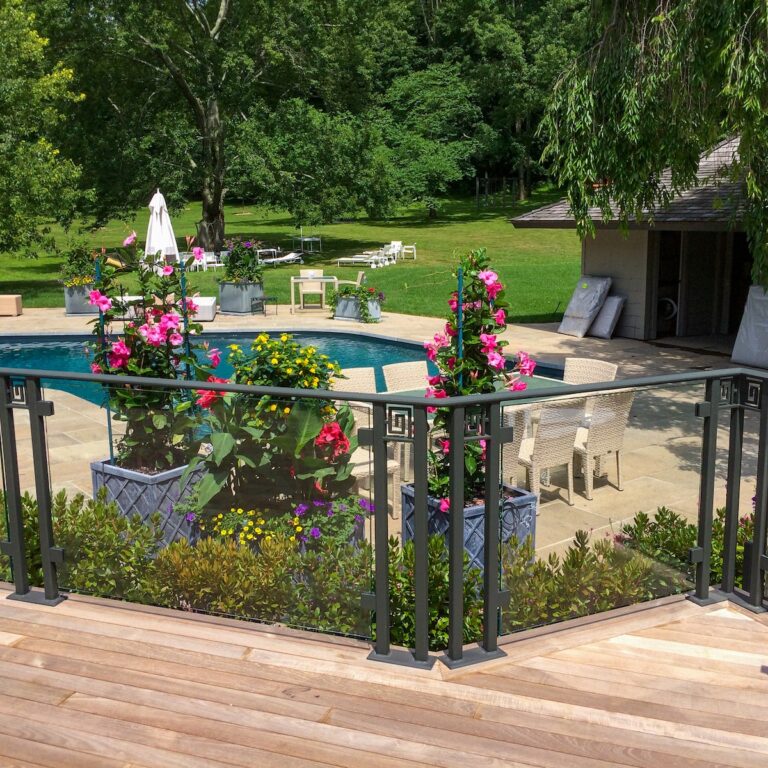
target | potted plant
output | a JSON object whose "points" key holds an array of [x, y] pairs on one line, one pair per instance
{"points": [[360, 303], [77, 275], [242, 283], [275, 452], [156, 435], [478, 366]]}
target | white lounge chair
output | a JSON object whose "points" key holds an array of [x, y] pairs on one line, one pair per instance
{"points": [[372, 260], [293, 257], [402, 377]]}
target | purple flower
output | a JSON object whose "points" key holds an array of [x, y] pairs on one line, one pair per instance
{"points": [[318, 503], [247, 244], [190, 517], [329, 512], [343, 507], [358, 518], [300, 510], [315, 532], [366, 505]]}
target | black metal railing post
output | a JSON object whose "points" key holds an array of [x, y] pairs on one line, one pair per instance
{"points": [[701, 555], [381, 534], [14, 547], [455, 651], [733, 485], [420, 537], [51, 556], [758, 565], [493, 444]]}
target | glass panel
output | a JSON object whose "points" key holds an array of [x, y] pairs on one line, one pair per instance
{"points": [[237, 505], [609, 547]]}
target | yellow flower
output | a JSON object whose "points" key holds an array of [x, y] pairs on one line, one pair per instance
{"points": [[267, 538], [293, 538], [313, 369], [258, 349], [273, 361], [234, 347], [273, 407], [251, 512], [261, 521], [219, 516], [258, 531], [296, 521], [299, 529], [284, 337], [286, 411], [249, 536], [331, 367], [289, 370]]}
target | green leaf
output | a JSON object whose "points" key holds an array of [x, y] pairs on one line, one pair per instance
{"points": [[223, 444], [159, 420]]}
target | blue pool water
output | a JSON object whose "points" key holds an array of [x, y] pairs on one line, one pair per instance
{"points": [[70, 353]]}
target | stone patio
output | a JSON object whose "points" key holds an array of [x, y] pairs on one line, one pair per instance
{"points": [[662, 444]]}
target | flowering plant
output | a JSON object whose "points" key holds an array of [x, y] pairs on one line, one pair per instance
{"points": [[363, 294], [155, 343], [275, 452], [78, 267], [308, 524], [242, 264], [478, 366]]}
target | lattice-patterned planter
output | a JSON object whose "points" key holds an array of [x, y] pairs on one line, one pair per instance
{"points": [[138, 493], [518, 518]]}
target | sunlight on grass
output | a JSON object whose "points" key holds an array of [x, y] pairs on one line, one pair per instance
{"points": [[539, 267]]}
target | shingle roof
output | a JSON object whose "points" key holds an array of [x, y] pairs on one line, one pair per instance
{"points": [[715, 203]]}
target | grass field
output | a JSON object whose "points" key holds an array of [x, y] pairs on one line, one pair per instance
{"points": [[538, 267]]}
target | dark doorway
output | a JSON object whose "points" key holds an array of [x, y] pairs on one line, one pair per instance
{"points": [[669, 284], [741, 279]]}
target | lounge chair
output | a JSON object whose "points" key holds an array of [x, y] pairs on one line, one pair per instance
{"points": [[357, 380], [293, 257], [552, 446], [372, 260], [604, 435]]}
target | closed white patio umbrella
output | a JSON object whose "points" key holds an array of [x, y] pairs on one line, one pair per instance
{"points": [[160, 236]]}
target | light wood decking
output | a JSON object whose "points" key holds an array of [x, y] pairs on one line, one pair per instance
{"points": [[95, 683]]}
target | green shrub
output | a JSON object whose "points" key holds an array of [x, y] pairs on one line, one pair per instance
{"points": [[402, 596], [105, 553], [31, 540], [225, 578], [328, 585], [589, 578], [668, 537]]}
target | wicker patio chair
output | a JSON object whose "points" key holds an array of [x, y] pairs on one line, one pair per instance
{"points": [[552, 445], [584, 370], [401, 377], [518, 419], [604, 435]]}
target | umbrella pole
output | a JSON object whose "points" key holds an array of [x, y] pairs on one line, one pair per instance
{"points": [[460, 323]]}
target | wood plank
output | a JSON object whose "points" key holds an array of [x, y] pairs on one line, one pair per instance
{"points": [[580, 663], [689, 636], [149, 744], [6, 638], [695, 698], [699, 652], [16, 750]]}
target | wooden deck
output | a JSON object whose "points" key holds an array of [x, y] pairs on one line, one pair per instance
{"points": [[95, 683]]}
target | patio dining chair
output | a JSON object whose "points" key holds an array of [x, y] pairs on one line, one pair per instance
{"points": [[408, 251], [604, 435], [518, 418], [400, 377], [552, 445], [311, 287], [585, 370], [357, 283]]}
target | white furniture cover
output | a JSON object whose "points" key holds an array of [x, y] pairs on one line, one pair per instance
{"points": [[607, 318], [586, 302], [751, 346]]}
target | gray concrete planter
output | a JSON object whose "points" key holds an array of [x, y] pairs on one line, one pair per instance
{"points": [[237, 298], [518, 518], [142, 494], [348, 308], [76, 301]]}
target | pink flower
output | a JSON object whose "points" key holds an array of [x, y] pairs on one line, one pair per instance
{"points": [[167, 269], [489, 342], [332, 442], [445, 505], [170, 320], [494, 290], [495, 360], [214, 356], [198, 253], [433, 381], [431, 351], [152, 334], [191, 306], [526, 366], [453, 302], [98, 299], [488, 277], [517, 386], [450, 330], [445, 444], [442, 340], [119, 355], [207, 397], [451, 363], [176, 339], [500, 317], [438, 393], [96, 368], [130, 240]]}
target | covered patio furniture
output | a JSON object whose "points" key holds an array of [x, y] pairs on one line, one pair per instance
{"points": [[161, 240], [604, 435], [552, 445]]}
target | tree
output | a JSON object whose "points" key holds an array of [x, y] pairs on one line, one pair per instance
{"points": [[37, 184], [660, 83]]}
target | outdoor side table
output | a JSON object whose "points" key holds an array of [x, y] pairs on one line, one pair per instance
{"points": [[260, 305]]}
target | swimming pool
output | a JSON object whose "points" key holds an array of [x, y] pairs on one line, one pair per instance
{"points": [[70, 353]]}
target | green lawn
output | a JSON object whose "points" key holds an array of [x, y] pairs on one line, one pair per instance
{"points": [[538, 267]]}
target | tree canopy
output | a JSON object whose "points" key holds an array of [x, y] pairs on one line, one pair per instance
{"points": [[36, 183], [660, 83]]}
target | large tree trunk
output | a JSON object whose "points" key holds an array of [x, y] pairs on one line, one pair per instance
{"points": [[210, 229], [522, 190]]}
